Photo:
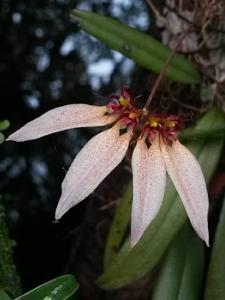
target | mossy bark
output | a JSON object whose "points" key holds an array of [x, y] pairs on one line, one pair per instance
{"points": [[9, 279]]}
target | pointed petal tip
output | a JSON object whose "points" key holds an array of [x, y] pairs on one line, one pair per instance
{"points": [[17, 137], [60, 211], [58, 215], [134, 241], [136, 235], [203, 234], [206, 239], [10, 138], [66, 202], [55, 221], [132, 244]]}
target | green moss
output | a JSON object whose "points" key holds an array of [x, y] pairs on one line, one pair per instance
{"points": [[9, 279]]}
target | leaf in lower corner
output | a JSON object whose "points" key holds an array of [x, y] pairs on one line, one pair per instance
{"points": [[60, 288], [215, 283], [182, 272], [4, 296]]}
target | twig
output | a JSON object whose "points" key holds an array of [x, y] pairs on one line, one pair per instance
{"points": [[164, 69]]}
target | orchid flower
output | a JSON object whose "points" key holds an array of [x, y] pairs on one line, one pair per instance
{"points": [[157, 151], [149, 166]]}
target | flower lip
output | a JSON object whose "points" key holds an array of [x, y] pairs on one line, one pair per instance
{"points": [[150, 124], [125, 92], [166, 126], [121, 106], [120, 102], [147, 124]]}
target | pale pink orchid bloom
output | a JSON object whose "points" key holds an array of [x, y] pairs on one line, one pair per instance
{"points": [[97, 158], [149, 180], [157, 151]]}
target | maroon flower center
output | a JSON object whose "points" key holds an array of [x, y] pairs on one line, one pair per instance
{"points": [[150, 126]]}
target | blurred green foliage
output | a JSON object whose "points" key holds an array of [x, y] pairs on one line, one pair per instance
{"points": [[4, 296], [3, 126], [182, 273], [215, 283]]}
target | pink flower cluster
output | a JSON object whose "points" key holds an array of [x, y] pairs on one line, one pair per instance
{"points": [[157, 152]]}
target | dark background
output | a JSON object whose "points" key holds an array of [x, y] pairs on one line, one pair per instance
{"points": [[47, 61]]}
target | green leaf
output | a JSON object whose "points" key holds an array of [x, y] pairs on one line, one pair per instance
{"points": [[192, 133], [182, 273], [4, 296], [118, 227], [215, 283], [131, 264], [142, 48], [60, 288]]}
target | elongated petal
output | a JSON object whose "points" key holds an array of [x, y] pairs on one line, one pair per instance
{"points": [[93, 163], [189, 181], [61, 118], [149, 179]]}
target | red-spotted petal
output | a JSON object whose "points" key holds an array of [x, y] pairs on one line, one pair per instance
{"points": [[61, 118], [149, 179], [189, 181], [92, 164]]}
